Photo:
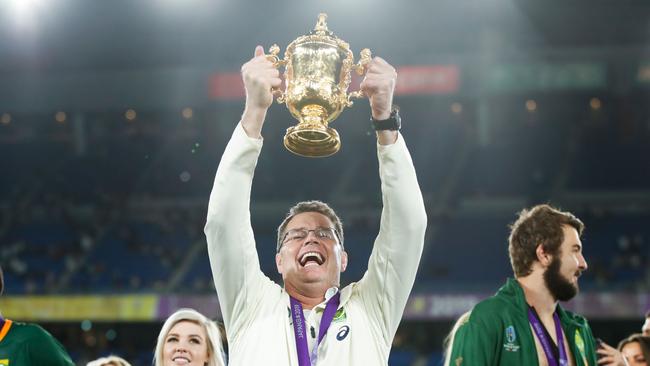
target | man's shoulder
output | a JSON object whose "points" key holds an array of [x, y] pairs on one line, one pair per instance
{"points": [[494, 306], [352, 297], [40, 346], [29, 332], [503, 307]]}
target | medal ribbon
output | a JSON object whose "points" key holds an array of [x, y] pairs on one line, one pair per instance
{"points": [[299, 325], [544, 339]]}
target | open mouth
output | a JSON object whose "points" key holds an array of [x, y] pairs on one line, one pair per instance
{"points": [[577, 277], [311, 259], [179, 360]]}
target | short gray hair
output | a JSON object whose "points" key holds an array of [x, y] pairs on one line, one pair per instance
{"points": [[215, 349], [111, 360], [311, 206]]}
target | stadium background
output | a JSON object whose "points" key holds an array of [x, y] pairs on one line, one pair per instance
{"points": [[113, 117]]}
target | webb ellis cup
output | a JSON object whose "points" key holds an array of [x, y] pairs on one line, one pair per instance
{"points": [[317, 76]]}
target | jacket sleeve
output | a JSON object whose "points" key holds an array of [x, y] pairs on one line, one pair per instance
{"points": [[386, 286], [473, 344], [231, 244]]}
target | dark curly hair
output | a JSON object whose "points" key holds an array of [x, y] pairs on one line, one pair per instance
{"points": [[539, 225]]}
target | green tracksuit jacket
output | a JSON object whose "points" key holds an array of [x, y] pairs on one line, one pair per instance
{"points": [[497, 332], [23, 344]]}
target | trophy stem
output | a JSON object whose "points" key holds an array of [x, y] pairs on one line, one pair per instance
{"points": [[313, 114], [312, 137]]}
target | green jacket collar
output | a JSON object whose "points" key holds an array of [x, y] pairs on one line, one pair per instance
{"points": [[513, 290]]}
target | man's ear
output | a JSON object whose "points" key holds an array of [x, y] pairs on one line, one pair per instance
{"points": [[344, 260], [543, 257], [278, 262]]}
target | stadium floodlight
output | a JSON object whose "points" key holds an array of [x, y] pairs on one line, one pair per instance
{"points": [[25, 11]]}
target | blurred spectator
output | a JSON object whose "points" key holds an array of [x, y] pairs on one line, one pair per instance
{"points": [[449, 340], [610, 356], [636, 349], [109, 361]]}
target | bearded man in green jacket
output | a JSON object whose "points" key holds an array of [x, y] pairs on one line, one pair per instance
{"points": [[523, 324]]}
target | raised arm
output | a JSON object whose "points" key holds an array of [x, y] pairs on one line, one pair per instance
{"points": [[231, 245], [398, 247]]}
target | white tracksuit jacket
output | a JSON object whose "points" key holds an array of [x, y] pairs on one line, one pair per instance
{"points": [[256, 310]]}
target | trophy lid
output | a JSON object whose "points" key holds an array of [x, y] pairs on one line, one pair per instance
{"points": [[320, 35], [321, 27]]}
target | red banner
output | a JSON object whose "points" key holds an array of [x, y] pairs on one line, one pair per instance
{"points": [[434, 79], [226, 86], [411, 80]]}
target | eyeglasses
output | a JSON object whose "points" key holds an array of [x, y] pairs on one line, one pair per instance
{"points": [[300, 234]]}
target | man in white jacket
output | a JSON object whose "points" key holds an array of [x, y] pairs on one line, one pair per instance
{"points": [[310, 320]]}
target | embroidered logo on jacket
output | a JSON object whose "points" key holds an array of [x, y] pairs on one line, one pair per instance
{"points": [[340, 315], [511, 338], [342, 333], [580, 343]]}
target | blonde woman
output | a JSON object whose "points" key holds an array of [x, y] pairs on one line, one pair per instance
{"points": [[449, 340], [189, 338]]}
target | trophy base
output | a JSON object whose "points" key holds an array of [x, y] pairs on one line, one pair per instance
{"points": [[312, 140]]}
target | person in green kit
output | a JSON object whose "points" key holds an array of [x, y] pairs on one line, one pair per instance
{"points": [[23, 344], [523, 324]]}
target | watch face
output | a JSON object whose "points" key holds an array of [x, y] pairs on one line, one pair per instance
{"points": [[398, 119]]}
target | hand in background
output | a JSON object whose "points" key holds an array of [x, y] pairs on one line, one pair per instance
{"points": [[610, 356]]}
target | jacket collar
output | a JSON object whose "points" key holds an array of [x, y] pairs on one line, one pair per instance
{"points": [[513, 290]]}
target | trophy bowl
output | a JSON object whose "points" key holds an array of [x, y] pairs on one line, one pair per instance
{"points": [[317, 76]]}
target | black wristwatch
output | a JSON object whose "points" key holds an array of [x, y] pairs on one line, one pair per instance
{"points": [[393, 123]]}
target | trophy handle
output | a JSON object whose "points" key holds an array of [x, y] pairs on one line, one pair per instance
{"points": [[360, 68], [277, 63]]}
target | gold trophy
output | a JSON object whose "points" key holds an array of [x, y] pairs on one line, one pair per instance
{"points": [[317, 76]]}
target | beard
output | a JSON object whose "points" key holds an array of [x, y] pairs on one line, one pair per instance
{"points": [[559, 287]]}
